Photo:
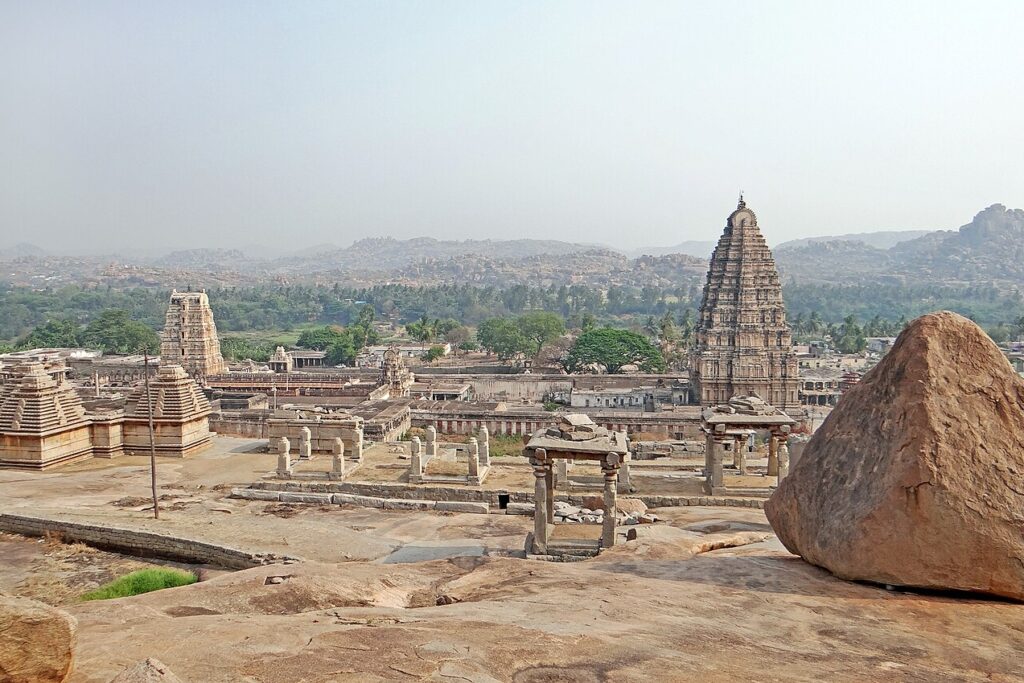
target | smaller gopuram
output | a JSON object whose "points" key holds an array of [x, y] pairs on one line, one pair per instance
{"points": [[180, 415], [576, 438], [189, 338], [395, 375], [42, 420]]}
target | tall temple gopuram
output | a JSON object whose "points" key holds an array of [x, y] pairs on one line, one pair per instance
{"points": [[743, 345], [190, 338]]}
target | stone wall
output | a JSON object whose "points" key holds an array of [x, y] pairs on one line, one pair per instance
{"points": [[461, 493], [138, 543], [248, 425]]}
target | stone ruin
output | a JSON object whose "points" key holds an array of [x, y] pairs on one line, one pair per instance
{"points": [[915, 477], [476, 451], [729, 426], [576, 437], [286, 466]]}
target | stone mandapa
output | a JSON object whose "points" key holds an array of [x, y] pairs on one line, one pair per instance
{"points": [[915, 479]]}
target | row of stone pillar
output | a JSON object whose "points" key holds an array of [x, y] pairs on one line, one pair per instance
{"points": [[284, 458], [715, 447], [482, 439]]}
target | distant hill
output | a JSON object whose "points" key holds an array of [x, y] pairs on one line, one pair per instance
{"points": [[883, 239], [21, 250], [385, 253], [698, 248], [988, 249], [231, 259]]}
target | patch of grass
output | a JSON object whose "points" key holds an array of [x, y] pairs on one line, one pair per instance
{"points": [[142, 581], [506, 444]]}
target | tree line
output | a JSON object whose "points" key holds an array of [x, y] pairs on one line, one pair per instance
{"points": [[449, 312]]}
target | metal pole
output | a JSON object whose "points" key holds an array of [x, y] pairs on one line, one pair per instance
{"points": [[152, 437]]}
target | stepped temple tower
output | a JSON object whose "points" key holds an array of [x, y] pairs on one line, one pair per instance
{"points": [[180, 415], [190, 337], [42, 421], [743, 345]]}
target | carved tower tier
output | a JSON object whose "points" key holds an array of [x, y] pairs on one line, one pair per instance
{"points": [[743, 345]]}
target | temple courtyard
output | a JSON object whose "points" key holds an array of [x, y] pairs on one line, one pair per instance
{"points": [[706, 593]]}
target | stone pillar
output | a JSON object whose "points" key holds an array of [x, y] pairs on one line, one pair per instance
{"points": [[540, 497], [562, 473], [284, 459], [783, 461], [337, 459], [484, 437], [608, 469], [431, 442], [713, 465], [773, 456], [623, 476], [549, 493], [305, 443], [357, 445], [739, 456], [474, 459], [416, 461]]}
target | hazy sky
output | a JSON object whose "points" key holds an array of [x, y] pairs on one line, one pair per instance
{"points": [[629, 123]]}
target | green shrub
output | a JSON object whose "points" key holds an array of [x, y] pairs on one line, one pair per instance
{"points": [[139, 582]]}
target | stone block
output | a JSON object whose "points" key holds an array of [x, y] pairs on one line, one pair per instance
{"points": [[408, 504], [316, 498], [361, 501], [519, 509], [456, 506], [256, 494]]}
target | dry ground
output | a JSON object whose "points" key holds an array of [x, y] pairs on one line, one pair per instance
{"points": [[427, 596]]}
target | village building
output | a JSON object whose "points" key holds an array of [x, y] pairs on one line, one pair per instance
{"points": [[743, 343]]}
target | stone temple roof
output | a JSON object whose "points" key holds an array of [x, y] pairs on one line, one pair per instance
{"points": [[577, 433], [37, 403], [750, 410], [175, 397]]}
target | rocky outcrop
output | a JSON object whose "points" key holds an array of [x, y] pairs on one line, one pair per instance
{"points": [[147, 671], [917, 476], [36, 641]]}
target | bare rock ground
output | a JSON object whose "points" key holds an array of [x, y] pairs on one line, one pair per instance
{"points": [[708, 595]]}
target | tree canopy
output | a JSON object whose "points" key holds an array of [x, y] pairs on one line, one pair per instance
{"points": [[613, 349]]}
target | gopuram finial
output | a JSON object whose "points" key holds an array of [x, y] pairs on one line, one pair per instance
{"points": [[741, 203]]}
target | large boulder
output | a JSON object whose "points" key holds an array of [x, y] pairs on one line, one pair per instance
{"points": [[37, 641], [917, 476]]}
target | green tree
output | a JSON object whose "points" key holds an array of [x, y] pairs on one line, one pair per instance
{"points": [[56, 333], [503, 337], [241, 348], [341, 351], [540, 327], [115, 332], [321, 338], [612, 350], [433, 353]]}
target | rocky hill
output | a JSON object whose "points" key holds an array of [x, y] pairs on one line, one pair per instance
{"points": [[988, 249], [883, 239]]}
